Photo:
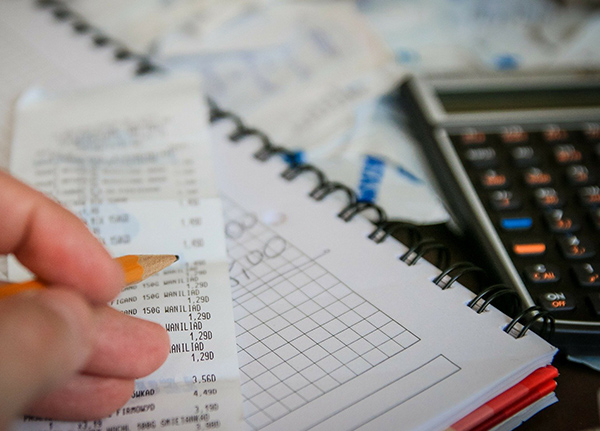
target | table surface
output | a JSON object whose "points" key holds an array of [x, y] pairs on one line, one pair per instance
{"points": [[577, 406], [578, 385]]}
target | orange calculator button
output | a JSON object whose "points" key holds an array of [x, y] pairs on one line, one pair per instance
{"points": [[529, 249]]}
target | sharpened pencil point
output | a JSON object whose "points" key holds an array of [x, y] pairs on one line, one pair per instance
{"points": [[144, 265]]}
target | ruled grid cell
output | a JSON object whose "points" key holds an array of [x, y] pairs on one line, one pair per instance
{"points": [[300, 331]]}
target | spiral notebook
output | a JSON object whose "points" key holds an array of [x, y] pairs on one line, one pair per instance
{"points": [[334, 331], [339, 325]]}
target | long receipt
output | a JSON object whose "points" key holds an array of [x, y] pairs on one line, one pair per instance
{"points": [[133, 161]]}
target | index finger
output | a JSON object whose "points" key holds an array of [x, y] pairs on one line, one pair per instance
{"points": [[54, 244]]}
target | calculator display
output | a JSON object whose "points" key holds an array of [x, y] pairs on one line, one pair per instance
{"points": [[488, 100]]}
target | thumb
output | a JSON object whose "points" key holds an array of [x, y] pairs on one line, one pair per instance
{"points": [[46, 336]]}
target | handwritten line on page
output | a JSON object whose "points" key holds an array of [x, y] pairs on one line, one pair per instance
{"points": [[133, 161]]}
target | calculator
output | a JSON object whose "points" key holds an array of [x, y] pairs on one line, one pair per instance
{"points": [[517, 160]]}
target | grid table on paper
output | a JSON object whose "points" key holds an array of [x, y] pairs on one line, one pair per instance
{"points": [[300, 331]]}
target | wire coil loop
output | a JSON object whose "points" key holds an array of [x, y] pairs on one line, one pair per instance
{"points": [[424, 246], [490, 294], [527, 318]]}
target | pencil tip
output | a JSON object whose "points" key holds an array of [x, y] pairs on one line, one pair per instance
{"points": [[153, 263]]}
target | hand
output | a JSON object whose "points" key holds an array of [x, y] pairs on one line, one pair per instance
{"points": [[64, 353]]}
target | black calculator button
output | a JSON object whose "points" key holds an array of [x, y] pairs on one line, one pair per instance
{"points": [[472, 137], [587, 274], [553, 133], [524, 156], [542, 273], [573, 247], [529, 248], [566, 154], [578, 175], [504, 200], [589, 196], [556, 301], [535, 177], [591, 131], [548, 198], [513, 135], [484, 157], [559, 222]]}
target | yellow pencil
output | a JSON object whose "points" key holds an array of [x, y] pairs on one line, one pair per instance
{"points": [[136, 268]]}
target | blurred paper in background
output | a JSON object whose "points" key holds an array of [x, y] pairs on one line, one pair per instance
{"points": [[313, 74]]}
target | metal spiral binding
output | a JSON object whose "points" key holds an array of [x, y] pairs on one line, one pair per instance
{"points": [[490, 294], [241, 131], [62, 13], [527, 318], [330, 187], [350, 211], [444, 280], [424, 246], [294, 170], [418, 246], [389, 228]]}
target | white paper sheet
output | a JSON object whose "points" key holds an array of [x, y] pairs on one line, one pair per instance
{"points": [[133, 161], [36, 49], [303, 52], [333, 331], [441, 36], [140, 24]]}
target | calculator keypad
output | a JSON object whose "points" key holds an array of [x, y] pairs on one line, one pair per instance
{"points": [[541, 190]]}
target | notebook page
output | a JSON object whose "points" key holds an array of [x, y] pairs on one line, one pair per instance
{"points": [[333, 331], [133, 161]]}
